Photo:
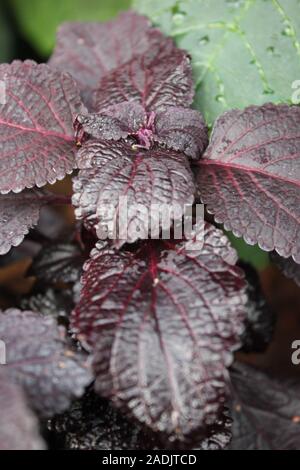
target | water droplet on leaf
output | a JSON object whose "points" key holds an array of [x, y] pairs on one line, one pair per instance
{"points": [[203, 41], [268, 91], [178, 18], [287, 31], [220, 98]]}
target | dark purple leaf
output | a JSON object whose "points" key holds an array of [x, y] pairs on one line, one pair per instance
{"points": [[18, 425], [39, 359], [163, 321], [218, 434], [160, 77], [213, 437], [144, 177], [36, 125], [49, 301], [93, 424], [182, 129], [250, 176], [265, 411], [174, 127], [288, 266], [89, 50], [114, 123], [260, 321], [60, 262], [18, 213]]}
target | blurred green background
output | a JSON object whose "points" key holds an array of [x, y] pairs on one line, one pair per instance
{"points": [[30, 25], [27, 30]]}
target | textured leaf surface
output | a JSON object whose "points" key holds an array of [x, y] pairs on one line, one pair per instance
{"points": [[288, 266], [160, 77], [183, 130], [163, 321], [144, 177], [265, 411], [58, 262], [250, 176], [18, 213], [113, 123], [39, 359], [49, 301], [93, 424], [174, 127], [260, 321], [240, 49], [88, 51], [36, 125], [18, 425]]}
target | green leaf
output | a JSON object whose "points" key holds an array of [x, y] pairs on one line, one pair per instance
{"points": [[39, 19], [243, 51]]}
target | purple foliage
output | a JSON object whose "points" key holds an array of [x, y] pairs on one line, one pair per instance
{"points": [[249, 176], [40, 359], [36, 125], [18, 426], [265, 411], [160, 298], [161, 319]]}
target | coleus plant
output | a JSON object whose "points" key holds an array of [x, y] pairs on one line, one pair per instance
{"points": [[153, 323]]}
